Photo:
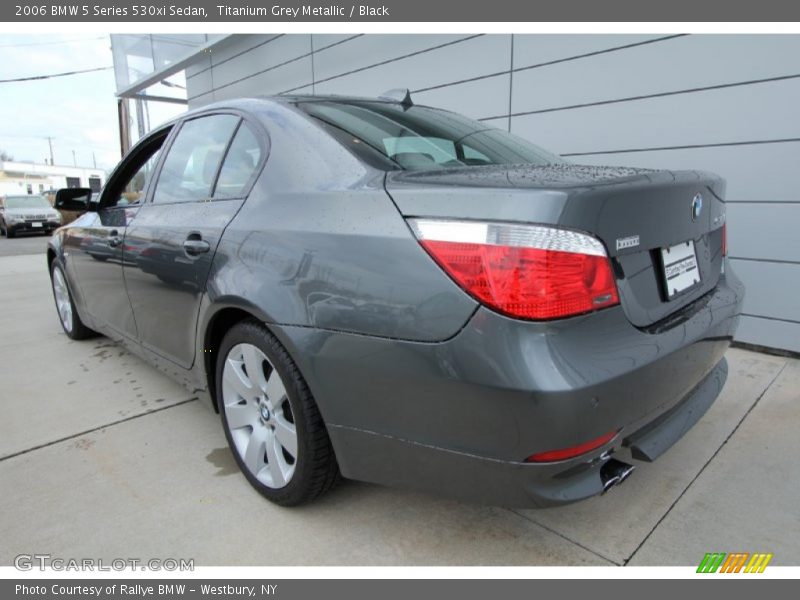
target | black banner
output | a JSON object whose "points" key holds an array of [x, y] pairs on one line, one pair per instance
{"points": [[473, 11], [334, 589]]}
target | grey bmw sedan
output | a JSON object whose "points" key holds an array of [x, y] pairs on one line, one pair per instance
{"points": [[394, 293]]}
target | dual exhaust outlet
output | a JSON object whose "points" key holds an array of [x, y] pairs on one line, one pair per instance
{"points": [[614, 472]]}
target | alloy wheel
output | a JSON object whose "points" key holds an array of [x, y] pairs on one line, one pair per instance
{"points": [[63, 301], [259, 416]]}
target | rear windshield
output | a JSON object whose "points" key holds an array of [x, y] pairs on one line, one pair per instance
{"points": [[26, 202], [419, 137]]}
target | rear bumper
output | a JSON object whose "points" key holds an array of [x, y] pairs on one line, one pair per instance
{"points": [[403, 463], [460, 416]]}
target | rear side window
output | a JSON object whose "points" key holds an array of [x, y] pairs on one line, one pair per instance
{"points": [[193, 160], [240, 164]]}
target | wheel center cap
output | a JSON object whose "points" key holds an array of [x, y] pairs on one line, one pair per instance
{"points": [[264, 411]]}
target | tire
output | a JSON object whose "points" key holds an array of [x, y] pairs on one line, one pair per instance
{"points": [[65, 306], [259, 414], [10, 233]]}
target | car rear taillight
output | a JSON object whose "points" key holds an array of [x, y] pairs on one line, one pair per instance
{"points": [[524, 271], [573, 451]]}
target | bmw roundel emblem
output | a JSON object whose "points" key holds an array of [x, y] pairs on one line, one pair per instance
{"points": [[697, 206]]}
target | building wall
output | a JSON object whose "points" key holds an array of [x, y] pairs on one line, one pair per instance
{"points": [[727, 104], [16, 176], [16, 185]]}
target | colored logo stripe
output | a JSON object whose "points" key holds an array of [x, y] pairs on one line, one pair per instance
{"points": [[734, 562], [711, 562], [758, 563]]}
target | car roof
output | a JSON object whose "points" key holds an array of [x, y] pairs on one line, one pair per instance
{"points": [[246, 103], [252, 103], [292, 98]]}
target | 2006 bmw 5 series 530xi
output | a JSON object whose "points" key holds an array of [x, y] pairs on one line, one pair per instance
{"points": [[405, 296]]}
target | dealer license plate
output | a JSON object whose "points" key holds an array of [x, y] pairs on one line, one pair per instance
{"points": [[36, 224], [680, 268]]}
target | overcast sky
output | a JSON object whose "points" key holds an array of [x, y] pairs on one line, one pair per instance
{"points": [[79, 112]]}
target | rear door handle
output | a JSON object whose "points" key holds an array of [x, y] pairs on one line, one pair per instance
{"points": [[193, 246]]}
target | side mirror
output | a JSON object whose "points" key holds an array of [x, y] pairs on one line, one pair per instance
{"points": [[78, 199]]}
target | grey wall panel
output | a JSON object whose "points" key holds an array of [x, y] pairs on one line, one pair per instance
{"points": [[754, 172], [771, 288], [666, 66], [464, 60], [538, 49], [764, 231], [323, 41], [371, 49], [262, 58], [305, 90], [243, 43], [770, 333], [475, 99], [199, 88], [756, 112], [293, 74], [201, 63]]}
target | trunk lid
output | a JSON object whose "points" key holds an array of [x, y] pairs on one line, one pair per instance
{"points": [[635, 212]]}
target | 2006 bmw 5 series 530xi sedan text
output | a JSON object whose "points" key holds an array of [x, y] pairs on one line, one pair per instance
{"points": [[401, 295]]}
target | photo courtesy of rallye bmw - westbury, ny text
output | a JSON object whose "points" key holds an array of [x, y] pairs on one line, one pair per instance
{"points": [[139, 590]]}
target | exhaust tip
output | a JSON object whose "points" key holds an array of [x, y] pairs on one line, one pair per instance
{"points": [[614, 472]]}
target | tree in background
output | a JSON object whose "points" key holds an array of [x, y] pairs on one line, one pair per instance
{"points": [[5, 156]]}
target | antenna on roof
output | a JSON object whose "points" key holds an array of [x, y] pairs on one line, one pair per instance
{"points": [[401, 95]]}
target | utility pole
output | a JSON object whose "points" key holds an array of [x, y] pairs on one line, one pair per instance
{"points": [[140, 124], [50, 143], [94, 159], [74, 162], [123, 113]]}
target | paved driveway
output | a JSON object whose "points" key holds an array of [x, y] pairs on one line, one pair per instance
{"points": [[102, 456], [24, 243]]}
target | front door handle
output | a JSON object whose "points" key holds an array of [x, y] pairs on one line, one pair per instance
{"points": [[193, 246], [114, 239]]}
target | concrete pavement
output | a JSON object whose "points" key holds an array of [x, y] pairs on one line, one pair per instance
{"points": [[102, 456], [24, 243]]}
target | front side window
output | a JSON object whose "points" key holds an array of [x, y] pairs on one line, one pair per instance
{"points": [[128, 184], [191, 165], [419, 137], [134, 189]]}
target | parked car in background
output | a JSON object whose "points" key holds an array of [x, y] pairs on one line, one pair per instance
{"points": [[405, 296], [28, 214]]}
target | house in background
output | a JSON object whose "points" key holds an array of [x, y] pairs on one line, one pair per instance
{"points": [[18, 177]]}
